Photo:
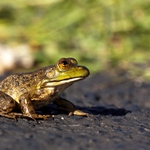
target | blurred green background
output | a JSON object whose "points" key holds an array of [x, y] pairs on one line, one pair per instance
{"points": [[100, 34]]}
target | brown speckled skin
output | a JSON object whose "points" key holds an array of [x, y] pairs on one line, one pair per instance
{"points": [[30, 91]]}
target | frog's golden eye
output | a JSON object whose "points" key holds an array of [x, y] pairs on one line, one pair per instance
{"points": [[63, 64]]}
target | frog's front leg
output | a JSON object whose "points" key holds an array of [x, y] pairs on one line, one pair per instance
{"points": [[69, 107], [28, 109]]}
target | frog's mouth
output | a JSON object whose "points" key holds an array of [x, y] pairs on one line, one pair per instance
{"points": [[61, 82]]}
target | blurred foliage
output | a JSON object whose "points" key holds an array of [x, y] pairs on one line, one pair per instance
{"points": [[100, 34]]}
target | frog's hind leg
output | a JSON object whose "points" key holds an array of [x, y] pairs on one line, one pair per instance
{"points": [[69, 107], [7, 105]]}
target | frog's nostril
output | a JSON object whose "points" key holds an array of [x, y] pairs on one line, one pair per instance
{"points": [[84, 70]]}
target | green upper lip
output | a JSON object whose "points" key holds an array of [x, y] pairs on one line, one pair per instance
{"points": [[72, 75], [79, 72]]}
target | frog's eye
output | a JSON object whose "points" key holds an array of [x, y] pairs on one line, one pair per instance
{"points": [[63, 64]]}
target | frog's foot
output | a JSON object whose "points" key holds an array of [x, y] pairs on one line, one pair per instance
{"points": [[7, 115], [33, 116], [69, 107], [13, 115], [36, 116], [79, 113]]}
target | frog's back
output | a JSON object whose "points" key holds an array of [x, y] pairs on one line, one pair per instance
{"points": [[19, 83]]}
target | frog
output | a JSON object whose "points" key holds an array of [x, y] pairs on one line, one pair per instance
{"points": [[30, 91]]}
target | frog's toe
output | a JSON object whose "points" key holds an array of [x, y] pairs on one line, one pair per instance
{"points": [[45, 117], [79, 113], [39, 116]]}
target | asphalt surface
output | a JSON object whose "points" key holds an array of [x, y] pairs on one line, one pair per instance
{"points": [[120, 119]]}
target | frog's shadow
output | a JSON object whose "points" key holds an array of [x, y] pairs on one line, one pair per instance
{"points": [[98, 110]]}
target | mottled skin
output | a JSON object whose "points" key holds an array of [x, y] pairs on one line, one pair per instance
{"points": [[33, 90]]}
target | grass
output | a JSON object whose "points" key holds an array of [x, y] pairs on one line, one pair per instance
{"points": [[99, 34]]}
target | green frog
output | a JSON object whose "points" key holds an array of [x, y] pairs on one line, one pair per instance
{"points": [[30, 91]]}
